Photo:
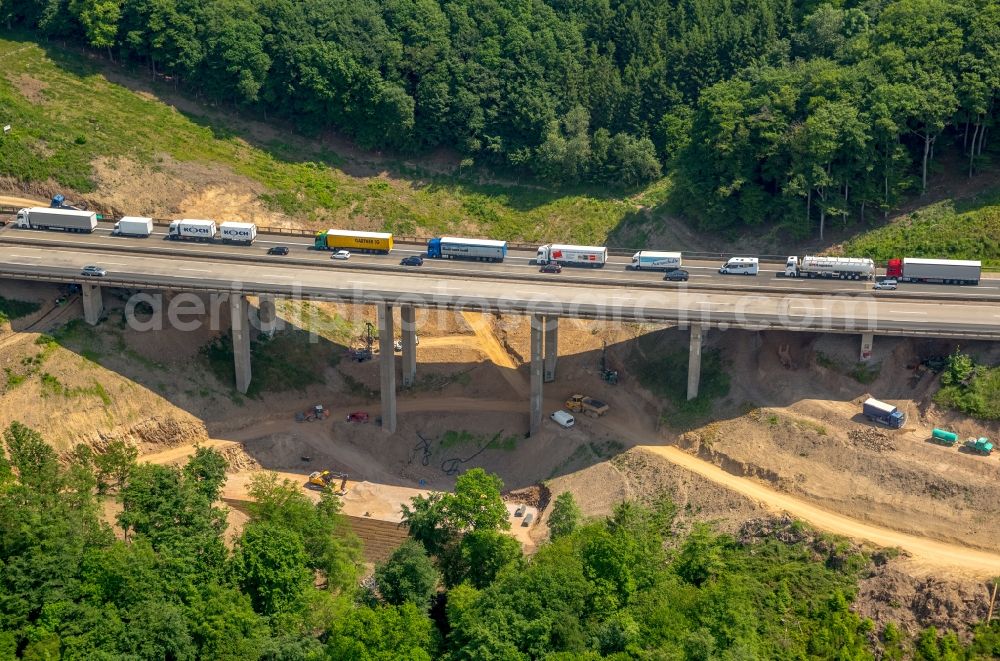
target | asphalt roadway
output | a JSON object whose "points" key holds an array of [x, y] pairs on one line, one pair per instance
{"points": [[474, 286]]}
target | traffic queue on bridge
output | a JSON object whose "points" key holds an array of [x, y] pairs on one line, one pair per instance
{"points": [[550, 258]]}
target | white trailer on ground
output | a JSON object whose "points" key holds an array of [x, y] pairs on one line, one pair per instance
{"points": [[134, 226], [190, 229], [655, 260], [63, 220], [845, 268], [741, 266], [242, 233], [566, 255]]}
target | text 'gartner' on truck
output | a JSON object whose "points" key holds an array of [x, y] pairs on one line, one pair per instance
{"points": [[64, 220], [379, 243], [554, 253]]}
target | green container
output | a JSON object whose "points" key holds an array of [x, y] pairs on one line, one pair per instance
{"points": [[944, 436]]}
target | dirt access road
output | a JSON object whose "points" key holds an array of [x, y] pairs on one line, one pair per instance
{"points": [[926, 553]]}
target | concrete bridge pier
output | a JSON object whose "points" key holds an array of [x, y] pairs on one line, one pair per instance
{"points": [[867, 341], [408, 328], [551, 349], [93, 303], [537, 360], [694, 361], [387, 367], [239, 317], [267, 313]]}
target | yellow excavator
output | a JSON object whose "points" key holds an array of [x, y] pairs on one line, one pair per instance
{"points": [[326, 479]]}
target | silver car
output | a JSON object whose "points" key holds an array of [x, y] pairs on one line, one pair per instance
{"points": [[886, 284], [93, 271]]}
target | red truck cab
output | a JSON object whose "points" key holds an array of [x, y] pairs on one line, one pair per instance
{"points": [[894, 268]]}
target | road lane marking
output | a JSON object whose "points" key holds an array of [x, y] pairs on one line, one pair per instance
{"points": [[908, 312], [197, 270]]}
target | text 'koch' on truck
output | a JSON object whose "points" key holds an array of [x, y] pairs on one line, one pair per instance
{"points": [[241, 233], [191, 230], [483, 250], [368, 242], [740, 266], [882, 413], [654, 260], [943, 271], [134, 226], [554, 253], [845, 268], [63, 220]]}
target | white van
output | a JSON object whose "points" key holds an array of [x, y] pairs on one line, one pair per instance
{"points": [[741, 266], [563, 419]]}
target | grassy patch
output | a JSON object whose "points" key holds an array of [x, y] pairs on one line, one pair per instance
{"points": [[665, 375], [498, 441], [53, 387], [970, 230], [80, 116], [11, 308], [861, 372], [287, 361], [970, 388]]}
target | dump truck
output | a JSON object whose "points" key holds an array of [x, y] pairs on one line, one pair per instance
{"points": [[944, 437], [133, 226], [241, 233], [979, 445], [589, 406], [62, 220], [564, 255], [844, 268], [655, 260], [369, 242], [316, 412], [190, 229], [484, 250], [941, 271], [882, 413]]}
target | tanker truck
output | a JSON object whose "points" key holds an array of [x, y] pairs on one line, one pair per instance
{"points": [[62, 220], [844, 268]]}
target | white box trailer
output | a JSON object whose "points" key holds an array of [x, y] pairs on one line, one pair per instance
{"points": [[63, 220], [845, 268], [242, 233], [134, 226], [946, 271], [190, 229], [656, 260], [565, 255], [741, 266], [450, 247]]}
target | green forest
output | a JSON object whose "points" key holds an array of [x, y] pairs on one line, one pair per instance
{"points": [[160, 582], [800, 112]]}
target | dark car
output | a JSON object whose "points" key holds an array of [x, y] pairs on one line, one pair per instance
{"points": [[277, 250], [551, 267], [412, 260], [677, 275]]}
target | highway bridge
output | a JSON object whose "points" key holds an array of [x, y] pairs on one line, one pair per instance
{"points": [[709, 300]]}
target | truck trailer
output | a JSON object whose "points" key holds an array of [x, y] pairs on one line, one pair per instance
{"points": [[882, 413], [655, 260], [134, 226], [242, 233], [592, 256], [943, 271], [449, 247], [63, 220], [845, 268], [370, 242], [190, 229]]}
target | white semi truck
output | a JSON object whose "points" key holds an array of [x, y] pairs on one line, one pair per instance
{"points": [[191, 230], [63, 220], [242, 233], [134, 226], [655, 260], [845, 268], [564, 255]]}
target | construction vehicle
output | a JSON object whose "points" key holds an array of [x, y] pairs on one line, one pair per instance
{"points": [[882, 413], [979, 445], [608, 375], [326, 479], [317, 412], [588, 406], [59, 202], [944, 437], [366, 352]]}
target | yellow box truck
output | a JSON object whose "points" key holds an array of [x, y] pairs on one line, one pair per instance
{"points": [[370, 242]]}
